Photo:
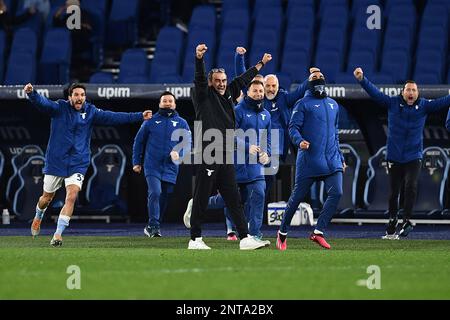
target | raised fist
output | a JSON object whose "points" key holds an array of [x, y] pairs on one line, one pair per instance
{"points": [[358, 73], [200, 50], [266, 58], [241, 50], [28, 88]]}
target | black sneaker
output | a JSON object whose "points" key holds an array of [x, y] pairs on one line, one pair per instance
{"points": [[390, 230], [406, 228]]}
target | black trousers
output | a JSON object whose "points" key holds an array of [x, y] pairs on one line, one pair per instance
{"points": [[403, 175], [223, 176]]}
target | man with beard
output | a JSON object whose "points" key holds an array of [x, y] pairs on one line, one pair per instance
{"points": [[407, 114], [313, 128], [68, 151]]}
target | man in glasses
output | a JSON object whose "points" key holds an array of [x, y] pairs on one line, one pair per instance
{"points": [[214, 108]]}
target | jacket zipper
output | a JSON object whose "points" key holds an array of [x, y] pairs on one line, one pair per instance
{"points": [[328, 132]]}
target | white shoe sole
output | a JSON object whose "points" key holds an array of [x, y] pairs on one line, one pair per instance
{"points": [[390, 237]]}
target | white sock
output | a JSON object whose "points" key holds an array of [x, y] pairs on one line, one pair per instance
{"points": [[63, 222], [318, 232]]}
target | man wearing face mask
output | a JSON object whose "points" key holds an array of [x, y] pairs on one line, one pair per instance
{"points": [[313, 128], [161, 156], [68, 151], [214, 108], [407, 114]]}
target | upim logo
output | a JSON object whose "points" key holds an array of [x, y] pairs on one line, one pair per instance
{"points": [[180, 92], [109, 92], [22, 95], [374, 281]]}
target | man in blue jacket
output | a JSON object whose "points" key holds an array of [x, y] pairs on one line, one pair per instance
{"points": [[313, 128], [68, 151], [407, 114], [160, 144]]}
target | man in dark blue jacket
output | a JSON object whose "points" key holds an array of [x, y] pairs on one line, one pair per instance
{"points": [[68, 151], [314, 129], [160, 144], [407, 114]]}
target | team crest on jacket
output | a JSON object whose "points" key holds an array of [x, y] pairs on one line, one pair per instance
{"points": [[331, 105], [209, 172], [83, 115], [158, 122], [263, 116], [174, 123]]}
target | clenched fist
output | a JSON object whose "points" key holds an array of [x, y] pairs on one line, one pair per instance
{"points": [[241, 50], [137, 168], [174, 156], [263, 158], [266, 58], [200, 50], [304, 145], [358, 73], [147, 114], [28, 88]]}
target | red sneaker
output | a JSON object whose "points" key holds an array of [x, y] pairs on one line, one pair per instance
{"points": [[320, 240], [281, 245], [232, 237]]}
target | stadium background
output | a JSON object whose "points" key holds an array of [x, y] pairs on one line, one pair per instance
{"points": [[154, 54]]}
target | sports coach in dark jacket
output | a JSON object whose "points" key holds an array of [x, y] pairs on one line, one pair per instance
{"points": [[214, 108]]}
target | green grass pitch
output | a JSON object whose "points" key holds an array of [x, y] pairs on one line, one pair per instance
{"points": [[143, 268]]}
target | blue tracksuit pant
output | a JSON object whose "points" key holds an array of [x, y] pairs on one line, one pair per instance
{"points": [[333, 187], [158, 194]]}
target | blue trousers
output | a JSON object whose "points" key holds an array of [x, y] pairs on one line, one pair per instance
{"points": [[158, 194], [333, 187], [253, 196]]}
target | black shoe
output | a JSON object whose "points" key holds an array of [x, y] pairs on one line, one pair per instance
{"points": [[392, 226], [406, 228]]}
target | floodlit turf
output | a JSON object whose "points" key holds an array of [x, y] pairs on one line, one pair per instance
{"points": [[144, 268]]}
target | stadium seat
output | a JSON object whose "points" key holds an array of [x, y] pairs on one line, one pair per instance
{"points": [[402, 15], [427, 78], [122, 23], [324, 4], [102, 78], [267, 6], [430, 61], [295, 64], [234, 4], [375, 192], [194, 38], [389, 4], [398, 38], [203, 17], [30, 188], [379, 78], [299, 39], [2, 54], [21, 69], [335, 16], [17, 162], [164, 64], [292, 4], [274, 23], [363, 59], [97, 10], [329, 63], [347, 202], [284, 80], [364, 39], [432, 179], [134, 67], [225, 60], [332, 39], [301, 17], [231, 39], [102, 188], [24, 41], [397, 64], [236, 18], [345, 78], [54, 66], [433, 38], [170, 39], [265, 41]]}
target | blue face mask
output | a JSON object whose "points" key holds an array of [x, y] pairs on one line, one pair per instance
{"points": [[317, 87]]}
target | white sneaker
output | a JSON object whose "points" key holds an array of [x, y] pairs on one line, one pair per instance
{"points": [[198, 244], [187, 214], [249, 243], [265, 242]]}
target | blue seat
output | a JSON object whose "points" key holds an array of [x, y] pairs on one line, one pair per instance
{"points": [[402, 15], [134, 67], [335, 16], [432, 179], [25, 40], [232, 38], [225, 59], [102, 78], [2, 54], [433, 38], [296, 65], [17, 162], [435, 16], [194, 38], [382, 78], [329, 63], [324, 4], [122, 23], [164, 64], [345, 78], [397, 64], [299, 39], [234, 4], [427, 78], [21, 69], [430, 61], [275, 21], [332, 39], [375, 192], [301, 17], [301, 3], [367, 40], [54, 66], [97, 11], [170, 39], [389, 4], [363, 59], [236, 18], [103, 187], [360, 6], [267, 6], [265, 41], [284, 80], [30, 188], [400, 38], [203, 16]]}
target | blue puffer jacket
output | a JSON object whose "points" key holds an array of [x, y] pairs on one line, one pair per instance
{"points": [[68, 149], [153, 144], [249, 117], [316, 121], [280, 108], [405, 123]]}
